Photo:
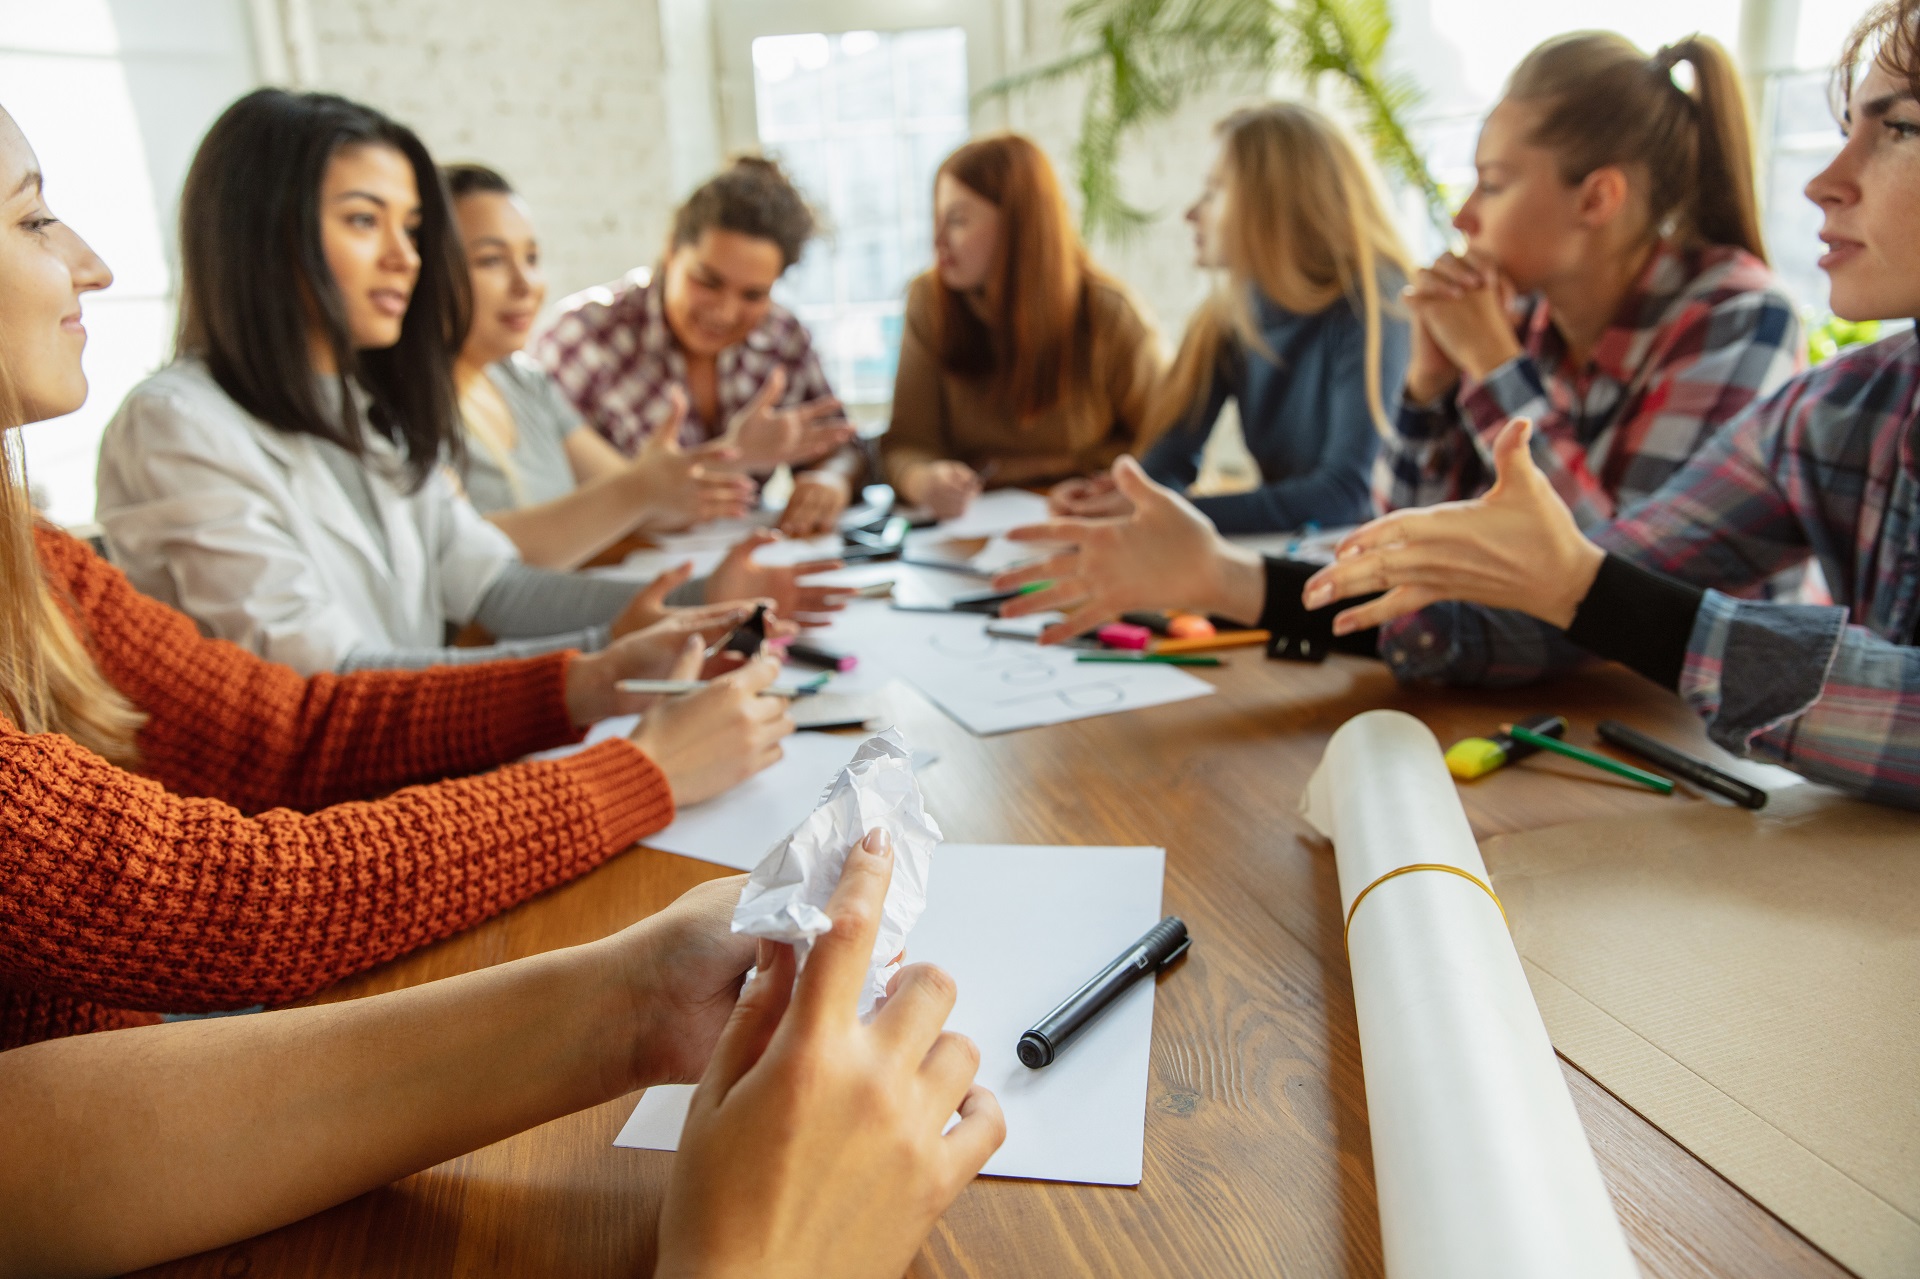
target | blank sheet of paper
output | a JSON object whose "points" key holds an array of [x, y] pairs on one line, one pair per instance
{"points": [[1021, 928]]}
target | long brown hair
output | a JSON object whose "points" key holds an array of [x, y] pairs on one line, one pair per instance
{"points": [[1038, 345], [1604, 102], [1306, 225], [48, 680]]}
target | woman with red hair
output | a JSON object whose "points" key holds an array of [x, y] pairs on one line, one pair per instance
{"points": [[1021, 362]]}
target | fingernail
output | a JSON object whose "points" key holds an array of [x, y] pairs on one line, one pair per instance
{"points": [[878, 844], [1317, 596], [1341, 625]]}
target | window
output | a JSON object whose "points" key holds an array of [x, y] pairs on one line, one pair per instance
{"points": [[861, 119], [114, 97]]}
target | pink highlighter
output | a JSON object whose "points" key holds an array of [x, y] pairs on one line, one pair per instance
{"points": [[1124, 635]]}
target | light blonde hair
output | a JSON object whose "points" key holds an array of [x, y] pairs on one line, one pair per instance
{"points": [[48, 680], [1306, 224]]}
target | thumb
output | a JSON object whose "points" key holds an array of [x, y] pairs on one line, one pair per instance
{"points": [[687, 665], [667, 434], [769, 393], [1512, 458], [664, 585], [1132, 481], [742, 550]]}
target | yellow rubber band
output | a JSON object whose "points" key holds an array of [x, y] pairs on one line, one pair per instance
{"points": [[1469, 876]]}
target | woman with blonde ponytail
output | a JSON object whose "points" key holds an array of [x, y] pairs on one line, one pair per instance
{"points": [[1613, 287], [1305, 332]]}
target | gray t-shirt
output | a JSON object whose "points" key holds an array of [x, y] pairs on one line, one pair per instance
{"points": [[542, 420]]}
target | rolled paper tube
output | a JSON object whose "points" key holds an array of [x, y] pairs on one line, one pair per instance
{"points": [[1480, 1163]]}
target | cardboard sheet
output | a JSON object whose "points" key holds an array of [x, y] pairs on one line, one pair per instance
{"points": [[1749, 982]]}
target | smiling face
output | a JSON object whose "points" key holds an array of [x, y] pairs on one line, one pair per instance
{"points": [[1870, 195], [503, 262], [44, 268], [369, 217], [1523, 216], [1208, 216], [719, 289], [966, 234]]}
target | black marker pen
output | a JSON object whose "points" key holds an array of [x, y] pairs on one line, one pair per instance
{"points": [[1165, 942]]}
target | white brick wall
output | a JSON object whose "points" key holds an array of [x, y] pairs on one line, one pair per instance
{"points": [[564, 97]]}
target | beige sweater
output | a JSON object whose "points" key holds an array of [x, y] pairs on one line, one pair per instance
{"points": [[938, 414]]}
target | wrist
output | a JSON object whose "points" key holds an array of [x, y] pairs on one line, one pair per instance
{"points": [[1582, 567], [1480, 361], [589, 689], [1425, 385], [1239, 586]]}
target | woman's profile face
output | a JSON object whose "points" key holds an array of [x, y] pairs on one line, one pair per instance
{"points": [[369, 217], [503, 263], [1870, 196], [719, 289], [44, 268], [1208, 216], [1522, 216], [966, 234]]}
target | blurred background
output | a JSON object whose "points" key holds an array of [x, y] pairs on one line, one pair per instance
{"points": [[604, 113]]}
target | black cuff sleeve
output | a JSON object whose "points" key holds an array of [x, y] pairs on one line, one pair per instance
{"points": [[1300, 635], [1638, 617]]}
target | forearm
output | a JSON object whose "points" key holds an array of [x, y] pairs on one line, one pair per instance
{"points": [[132, 1147], [568, 531], [590, 640], [532, 603]]}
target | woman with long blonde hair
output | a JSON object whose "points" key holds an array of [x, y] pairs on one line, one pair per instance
{"points": [[1304, 333], [1022, 362]]}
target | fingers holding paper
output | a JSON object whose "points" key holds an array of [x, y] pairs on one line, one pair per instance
{"points": [[815, 1144]]}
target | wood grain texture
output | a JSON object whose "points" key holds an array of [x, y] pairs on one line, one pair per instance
{"points": [[1257, 1150]]}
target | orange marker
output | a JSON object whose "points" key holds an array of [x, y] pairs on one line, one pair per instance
{"points": [[1189, 626], [1207, 643]]}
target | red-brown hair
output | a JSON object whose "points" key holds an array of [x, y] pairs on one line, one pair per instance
{"points": [[1038, 344]]}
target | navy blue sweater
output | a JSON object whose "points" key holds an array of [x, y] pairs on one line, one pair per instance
{"points": [[1305, 420]]}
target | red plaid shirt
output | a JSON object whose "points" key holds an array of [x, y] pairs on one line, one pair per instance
{"points": [[1703, 334], [611, 351]]}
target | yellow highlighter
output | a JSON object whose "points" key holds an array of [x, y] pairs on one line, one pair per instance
{"points": [[1473, 757]]}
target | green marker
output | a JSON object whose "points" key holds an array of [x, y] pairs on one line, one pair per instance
{"points": [[1156, 659], [1031, 587], [1652, 781]]}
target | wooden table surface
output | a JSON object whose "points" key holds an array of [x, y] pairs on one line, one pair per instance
{"points": [[1257, 1153]]}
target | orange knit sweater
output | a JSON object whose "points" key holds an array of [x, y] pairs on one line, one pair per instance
{"points": [[267, 848]]}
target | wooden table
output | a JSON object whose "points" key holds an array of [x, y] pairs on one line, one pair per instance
{"points": [[1257, 1153]]}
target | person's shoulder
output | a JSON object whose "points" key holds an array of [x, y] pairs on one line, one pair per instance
{"points": [[605, 305], [64, 558], [182, 401], [1114, 311], [783, 335], [1886, 372], [1723, 274]]}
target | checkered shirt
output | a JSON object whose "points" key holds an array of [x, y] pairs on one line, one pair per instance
{"points": [[611, 351], [1828, 467], [1703, 334]]}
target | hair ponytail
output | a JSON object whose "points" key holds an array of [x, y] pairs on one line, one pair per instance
{"points": [[1604, 103]]}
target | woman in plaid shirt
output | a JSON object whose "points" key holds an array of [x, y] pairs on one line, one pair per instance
{"points": [[1507, 588], [1614, 287]]}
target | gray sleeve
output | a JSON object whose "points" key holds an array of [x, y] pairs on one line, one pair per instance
{"points": [[419, 659]]}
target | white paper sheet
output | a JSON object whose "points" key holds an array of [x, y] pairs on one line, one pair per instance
{"points": [[993, 685], [1482, 1167], [992, 513], [707, 544], [737, 827], [1020, 928]]}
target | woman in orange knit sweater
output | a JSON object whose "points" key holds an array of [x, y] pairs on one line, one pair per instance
{"points": [[816, 1142], [176, 830]]}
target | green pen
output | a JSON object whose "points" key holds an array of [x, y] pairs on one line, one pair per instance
{"points": [[1157, 659], [1031, 587], [1652, 781]]}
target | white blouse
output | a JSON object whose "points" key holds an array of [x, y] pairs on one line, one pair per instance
{"points": [[250, 532]]}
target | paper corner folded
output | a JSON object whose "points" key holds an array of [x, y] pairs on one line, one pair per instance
{"points": [[786, 895]]}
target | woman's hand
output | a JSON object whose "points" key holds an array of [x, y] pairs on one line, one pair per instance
{"points": [[677, 487], [1165, 555], [682, 969], [1460, 308], [669, 649], [763, 436], [946, 488], [738, 577], [1517, 548], [1088, 497], [712, 740], [814, 1144], [818, 499]]}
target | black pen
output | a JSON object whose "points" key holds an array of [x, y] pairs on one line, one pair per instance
{"points": [[1165, 942], [1697, 772]]}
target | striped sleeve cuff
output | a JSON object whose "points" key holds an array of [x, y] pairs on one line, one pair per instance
{"points": [[1754, 665], [1512, 390], [630, 795]]}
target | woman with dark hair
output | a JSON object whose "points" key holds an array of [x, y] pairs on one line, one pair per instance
{"points": [[699, 342], [531, 466], [282, 481], [1021, 362], [1614, 286]]}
